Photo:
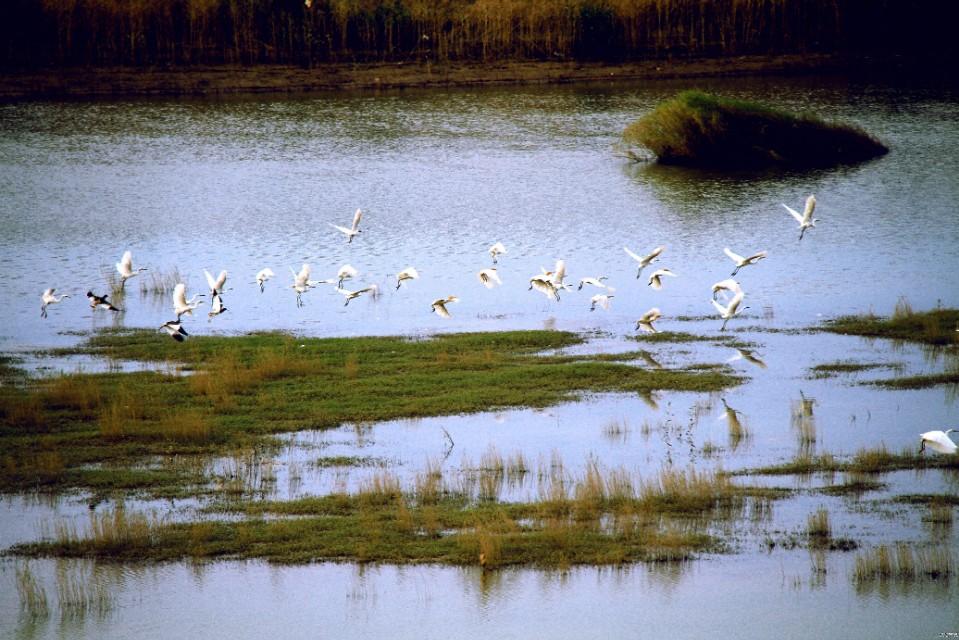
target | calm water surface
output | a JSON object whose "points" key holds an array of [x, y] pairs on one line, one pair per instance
{"points": [[247, 183]]}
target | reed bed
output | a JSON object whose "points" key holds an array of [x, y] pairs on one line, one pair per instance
{"points": [[102, 32]]}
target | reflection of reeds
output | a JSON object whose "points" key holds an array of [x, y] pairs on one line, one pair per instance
{"points": [[80, 593], [33, 597]]}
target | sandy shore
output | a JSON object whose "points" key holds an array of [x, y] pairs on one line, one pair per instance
{"points": [[220, 80]]}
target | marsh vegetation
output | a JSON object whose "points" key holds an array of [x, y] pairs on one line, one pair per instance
{"points": [[699, 129]]}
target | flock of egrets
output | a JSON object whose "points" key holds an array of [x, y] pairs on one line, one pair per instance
{"points": [[549, 283]]}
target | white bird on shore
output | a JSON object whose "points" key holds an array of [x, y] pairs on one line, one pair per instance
{"points": [[216, 285], [595, 282], [805, 219], [125, 268], [741, 261], [100, 302], [350, 295], [49, 298], [489, 277], [726, 285], [937, 441], [175, 329], [181, 305], [439, 306], [656, 278], [346, 272], [495, 250], [644, 261], [730, 309], [601, 300], [216, 306], [263, 275], [645, 322], [353, 230], [409, 273]]}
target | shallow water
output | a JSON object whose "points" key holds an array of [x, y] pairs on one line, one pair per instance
{"points": [[241, 184]]}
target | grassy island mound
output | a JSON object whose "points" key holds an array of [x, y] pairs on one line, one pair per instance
{"points": [[698, 129]]}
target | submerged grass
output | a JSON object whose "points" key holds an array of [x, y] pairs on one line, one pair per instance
{"points": [[246, 388], [699, 129]]}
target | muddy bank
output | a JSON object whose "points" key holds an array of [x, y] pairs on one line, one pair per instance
{"points": [[87, 82]]}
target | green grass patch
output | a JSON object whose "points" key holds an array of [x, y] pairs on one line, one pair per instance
{"points": [[923, 381], [830, 369], [875, 460], [244, 389], [936, 327], [699, 129]]}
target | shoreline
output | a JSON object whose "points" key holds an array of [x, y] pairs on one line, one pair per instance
{"points": [[235, 80]]}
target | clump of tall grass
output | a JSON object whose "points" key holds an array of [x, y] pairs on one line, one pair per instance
{"points": [[33, 597], [74, 392], [160, 282], [935, 327], [818, 528], [700, 129], [904, 563]]}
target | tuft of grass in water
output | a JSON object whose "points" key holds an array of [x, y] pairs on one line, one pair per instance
{"points": [[160, 282], [33, 597], [918, 382], [818, 529], [904, 563], [80, 593], [935, 327], [830, 369], [699, 129]]}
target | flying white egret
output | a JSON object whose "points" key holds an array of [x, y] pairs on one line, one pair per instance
{"points": [[301, 282], [731, 309], [346, 272], [215, 284], [353, 230], [100, 302], [495, 250], [749, 356], [644, 261], [181, 305], [542, 283], [263, 275], [489, 277], [726, 285], [741, 261], [409, 273], [645, 322], [125, 268], [937, 441], [601, 300], [49, 298], [656, 278], [558, 275], [216, 306], [350, 295], [596, 282], [439, 306], [175, 329], [805, 219]]}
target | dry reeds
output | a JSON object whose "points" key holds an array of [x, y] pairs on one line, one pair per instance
{"points": [[904, 563], [818, 529]]}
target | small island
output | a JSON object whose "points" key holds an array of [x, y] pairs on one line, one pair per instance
{"points": [[703, 130]]}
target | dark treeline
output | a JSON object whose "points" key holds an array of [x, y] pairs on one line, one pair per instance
{"points": [[183, 32]]}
